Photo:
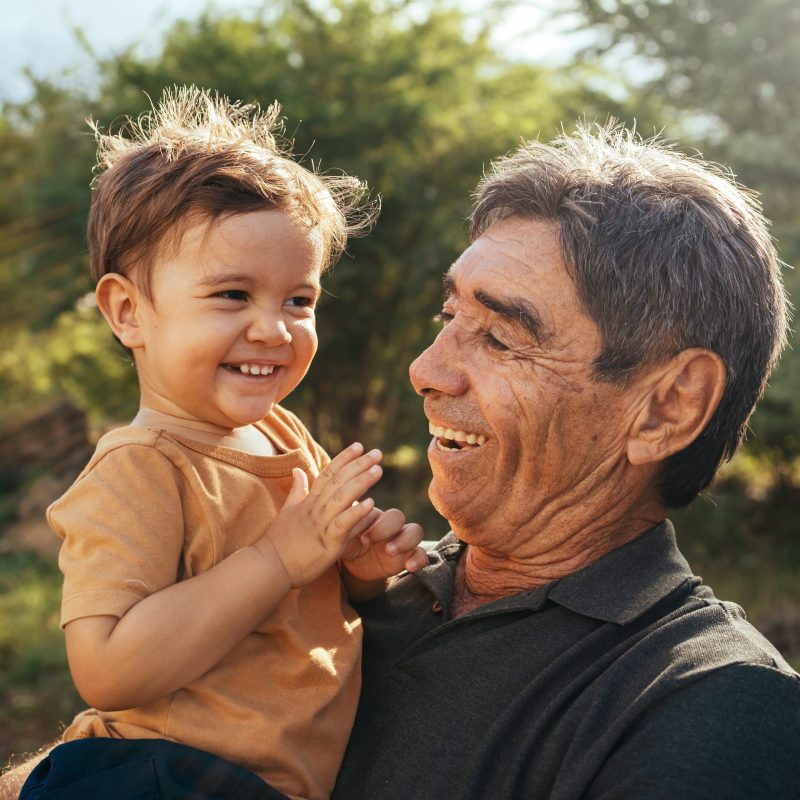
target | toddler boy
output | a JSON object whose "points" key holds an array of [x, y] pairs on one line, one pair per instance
{"points": [[203, 602]]}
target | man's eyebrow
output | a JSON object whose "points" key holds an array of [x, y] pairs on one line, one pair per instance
{"points": [[517, 310]]}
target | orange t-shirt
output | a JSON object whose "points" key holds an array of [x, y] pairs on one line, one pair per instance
{"points": [[152, 508]]}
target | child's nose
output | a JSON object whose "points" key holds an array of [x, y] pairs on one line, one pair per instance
{"points": [[270, 329]]}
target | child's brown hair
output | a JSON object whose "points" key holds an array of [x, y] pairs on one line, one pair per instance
{"points": [[197, 156]]}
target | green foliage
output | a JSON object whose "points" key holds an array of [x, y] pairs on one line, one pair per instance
{"points": [[46, 158], [75, 358]]}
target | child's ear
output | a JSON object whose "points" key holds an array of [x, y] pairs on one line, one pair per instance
{"points": [[681, 399], [119, 300]]}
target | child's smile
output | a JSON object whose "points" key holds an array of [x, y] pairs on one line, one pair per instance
{"points": [[251, 369]]}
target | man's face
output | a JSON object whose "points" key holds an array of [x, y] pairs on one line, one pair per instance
{"points": [[521, 429]]}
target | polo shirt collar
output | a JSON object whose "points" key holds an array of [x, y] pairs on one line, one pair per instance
{"points": [[628, 581], [617, 588]]}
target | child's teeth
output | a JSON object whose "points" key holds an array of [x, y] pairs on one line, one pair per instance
{"points": [[255, 369]]}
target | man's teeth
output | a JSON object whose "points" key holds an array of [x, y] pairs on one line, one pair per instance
{"points": [[474, 439], [256, 369]]}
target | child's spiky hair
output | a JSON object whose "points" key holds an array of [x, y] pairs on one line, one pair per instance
{"points": [[196, 155]]}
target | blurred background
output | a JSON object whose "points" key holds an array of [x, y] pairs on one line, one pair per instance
{"points": [[416, 97]]}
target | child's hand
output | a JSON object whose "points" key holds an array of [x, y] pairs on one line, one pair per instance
{"points": [[388, 546], [313, 528]]}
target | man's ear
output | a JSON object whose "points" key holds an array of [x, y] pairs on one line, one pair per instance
{"points": [[683, 395], [119, 301]]}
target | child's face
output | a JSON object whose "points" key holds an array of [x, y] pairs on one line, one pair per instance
{"points": [[231, 328]]}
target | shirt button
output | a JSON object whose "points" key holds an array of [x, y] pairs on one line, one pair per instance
{"points": [[436, 607]]}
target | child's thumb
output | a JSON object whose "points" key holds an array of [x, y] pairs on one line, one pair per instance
{"points": [[299, 490]]}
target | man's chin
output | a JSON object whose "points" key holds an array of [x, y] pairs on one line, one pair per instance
{"points": [[454, 506]]}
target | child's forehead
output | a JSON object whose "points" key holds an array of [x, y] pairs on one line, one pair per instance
{"points": [[248, 240]]}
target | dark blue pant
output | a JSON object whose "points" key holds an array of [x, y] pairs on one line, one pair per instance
{"points": [[140, 769]]}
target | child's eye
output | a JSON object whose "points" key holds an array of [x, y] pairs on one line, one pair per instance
{"points": [[232, 294], [301, 302]]}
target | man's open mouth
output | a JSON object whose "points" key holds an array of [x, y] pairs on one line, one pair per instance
{"points": [[448, 439]]}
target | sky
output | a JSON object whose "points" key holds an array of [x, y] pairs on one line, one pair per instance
{"points": [[39, 34]]}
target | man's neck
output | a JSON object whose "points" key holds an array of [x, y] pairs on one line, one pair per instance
{"points": [[484, 575]]}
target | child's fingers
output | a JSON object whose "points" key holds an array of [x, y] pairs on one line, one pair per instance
{"points": [[299, 490], [387, 525], [352, 457], [336, 470], [363, 527], [344, 523], [347, 455], [340, 487], [417, 560], [409, 537]]}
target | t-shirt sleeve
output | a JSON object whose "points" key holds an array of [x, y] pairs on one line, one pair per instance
{"points": [[733, 734], [123, 532]]}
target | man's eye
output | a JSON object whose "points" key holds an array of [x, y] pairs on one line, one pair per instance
{"points": [[232, 294], [494, 343], [443, 317]]}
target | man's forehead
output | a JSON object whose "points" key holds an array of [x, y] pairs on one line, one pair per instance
{"points": [[512, 251], [481, 270]]}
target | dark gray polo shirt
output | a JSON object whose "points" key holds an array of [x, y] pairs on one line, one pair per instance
{"points": [[628, 679]]}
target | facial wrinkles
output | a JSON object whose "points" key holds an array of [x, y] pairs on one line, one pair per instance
{"points": [[599, 471], [557, 392]]}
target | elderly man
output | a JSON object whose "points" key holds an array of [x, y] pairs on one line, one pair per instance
{"points": [[605, 339]]}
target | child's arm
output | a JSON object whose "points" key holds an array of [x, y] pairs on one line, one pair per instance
{"points": [[386, 547], [175, 635]]}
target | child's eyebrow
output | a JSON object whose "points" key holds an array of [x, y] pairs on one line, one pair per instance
{"points": [[222, 278], [238, 278]]}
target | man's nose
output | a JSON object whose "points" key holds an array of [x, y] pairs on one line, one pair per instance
{"points": [[268, 328], [437, 370]]}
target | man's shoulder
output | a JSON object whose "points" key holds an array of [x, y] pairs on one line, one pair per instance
{"points": [[735, 641], [733, 732], [688, 641], [710, 646]]}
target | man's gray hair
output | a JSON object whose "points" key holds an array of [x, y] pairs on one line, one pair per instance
{"points": [[667, 252]]}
